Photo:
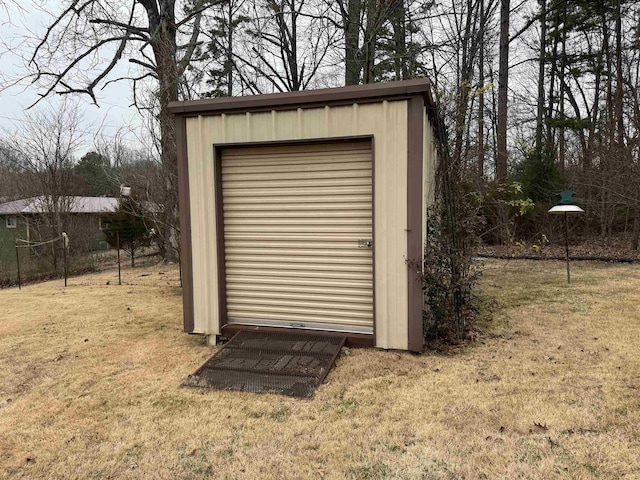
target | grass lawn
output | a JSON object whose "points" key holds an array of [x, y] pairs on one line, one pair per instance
{"points": [[90, 375]]}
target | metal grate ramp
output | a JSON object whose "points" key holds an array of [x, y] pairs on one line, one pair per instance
{"points": [[283, 363]]}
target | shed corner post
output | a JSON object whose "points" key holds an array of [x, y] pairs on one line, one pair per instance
{"points": [[185, 224], [415, 147]]}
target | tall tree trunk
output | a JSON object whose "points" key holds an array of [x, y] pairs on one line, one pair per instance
{"points": [[553, 60], [351, 23], [619, 78], [229, 60], [541, 81], [611, 130], [465, 78], [563, 59], [296, 82], [503, 78], [164, 49], [401, 58], [481, 35], [370, 41]]}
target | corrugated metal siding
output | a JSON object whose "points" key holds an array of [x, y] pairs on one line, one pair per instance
{"points": [[292, 220], [386, 121]]}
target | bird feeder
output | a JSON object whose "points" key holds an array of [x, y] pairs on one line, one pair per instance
{"points": [[565, 206]]}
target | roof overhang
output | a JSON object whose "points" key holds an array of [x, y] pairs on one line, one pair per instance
{"points": [[291, 100], [372, 92]]}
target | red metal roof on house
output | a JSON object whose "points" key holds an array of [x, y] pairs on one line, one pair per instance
{"points": [[71, 204]]}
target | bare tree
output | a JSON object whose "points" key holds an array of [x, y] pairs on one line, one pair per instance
{"points": [[286, 44], [43, 152], [84, 45]]}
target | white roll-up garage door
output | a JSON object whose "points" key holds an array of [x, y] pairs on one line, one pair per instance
{"points": [[297, 236]]}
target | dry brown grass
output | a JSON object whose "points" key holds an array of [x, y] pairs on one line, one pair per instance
{"points": [[90, 374]]}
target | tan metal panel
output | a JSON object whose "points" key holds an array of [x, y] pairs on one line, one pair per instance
{"points": [[203, 225], [390, 136], [247, 173]]}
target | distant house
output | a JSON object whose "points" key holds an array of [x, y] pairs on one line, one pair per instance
{"points": [[30, 218]]}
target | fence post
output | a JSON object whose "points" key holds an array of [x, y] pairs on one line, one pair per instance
{"points": [[118, 247], [18, 263], [65, 245]]}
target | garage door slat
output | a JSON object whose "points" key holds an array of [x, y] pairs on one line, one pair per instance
{"points": [[304, 303], [280, 200], [237, 253], [232, 246], [277, 268], [308, 295], [284, 282], [326, 192], [333, 275], [238, 316], [288, 312], [250, 174], [363, 231], [315, 292]]}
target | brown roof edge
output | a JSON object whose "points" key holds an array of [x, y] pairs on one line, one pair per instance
{"points": [[278, 101]]}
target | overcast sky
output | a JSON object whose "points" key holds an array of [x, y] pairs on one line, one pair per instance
{"points": [[114, 113]]}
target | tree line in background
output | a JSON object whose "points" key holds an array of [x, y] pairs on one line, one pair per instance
{"points": [[535, 96], [543, 93]]}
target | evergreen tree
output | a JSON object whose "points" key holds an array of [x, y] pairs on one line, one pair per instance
{"points": [[95, 171], [227, 20], [127, 227]]}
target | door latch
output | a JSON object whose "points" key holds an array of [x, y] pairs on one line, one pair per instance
{"points": [[365, 243]]}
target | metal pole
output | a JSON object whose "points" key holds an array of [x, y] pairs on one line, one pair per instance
{"points": [[18, 262], [64, 259], [118, 247], [566, 244]]}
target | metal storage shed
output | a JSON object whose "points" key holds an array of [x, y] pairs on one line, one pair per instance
{"points": [[307, 210]]}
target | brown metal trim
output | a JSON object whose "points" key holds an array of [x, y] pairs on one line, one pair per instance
{"points": [[219, 210], [287, 107], [293, 100], [219, 213], [415, 147], [373, 233], [186, 257], [296, 141], [353, 339]]}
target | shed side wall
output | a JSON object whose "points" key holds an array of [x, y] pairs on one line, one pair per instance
{"points": [[428, 174], [386, 121]]}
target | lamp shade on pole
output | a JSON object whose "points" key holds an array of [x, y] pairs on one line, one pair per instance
{"points": [[566, 209], [566, 204]]}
